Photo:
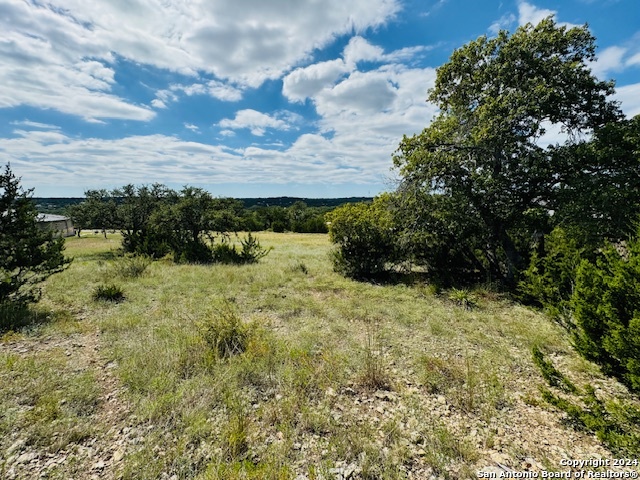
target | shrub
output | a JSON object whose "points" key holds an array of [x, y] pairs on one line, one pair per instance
{"points": [[463, 298], [132, 266], [225, 333], [251, 251], [363, 234], [109, 293], [550, 278], [606, 303]]}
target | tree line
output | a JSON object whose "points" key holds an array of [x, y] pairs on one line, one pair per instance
{"points": [[103, 210]]}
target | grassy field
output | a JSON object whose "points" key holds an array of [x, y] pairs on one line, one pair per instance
{"points": [[281, 369]]}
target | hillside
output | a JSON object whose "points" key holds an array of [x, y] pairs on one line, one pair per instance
{"points": [[330, 378]]}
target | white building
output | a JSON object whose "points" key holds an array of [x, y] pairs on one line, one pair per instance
{"points": [[58, 223]]}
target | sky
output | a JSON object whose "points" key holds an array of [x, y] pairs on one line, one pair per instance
{"points": [[249, 98]]}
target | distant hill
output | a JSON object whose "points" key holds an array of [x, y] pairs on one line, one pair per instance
{"points": [[58, 205], [311, 202]]}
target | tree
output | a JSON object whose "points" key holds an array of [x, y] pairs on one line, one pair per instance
{"points": [[28, 253], [135, 206], [497, 96], [97, 211], [606, 303], [601, 183]]}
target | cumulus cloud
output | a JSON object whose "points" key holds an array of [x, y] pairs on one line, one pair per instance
{"points": [[256, 122], [305, 82], [358, 49], [529, 13], [629, 96], [61, 54], [609, 60], [502, 23]]}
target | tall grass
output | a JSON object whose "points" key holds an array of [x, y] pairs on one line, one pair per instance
{"points": [[291, 376]]}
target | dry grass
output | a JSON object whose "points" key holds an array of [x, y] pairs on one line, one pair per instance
{"points": [[333, 376]]}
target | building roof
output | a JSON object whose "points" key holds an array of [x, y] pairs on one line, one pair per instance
{"points": [[46, 217]]}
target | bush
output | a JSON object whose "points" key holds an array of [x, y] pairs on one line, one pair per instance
{"points": [[363, 233], [550, 278], [250, 252], [132, 266], [109, 293], [606, 303]]}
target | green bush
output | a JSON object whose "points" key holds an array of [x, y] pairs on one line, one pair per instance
{"points": [[363, 233], [549, 280], [606, 303], [109, 293], [251, 251]]}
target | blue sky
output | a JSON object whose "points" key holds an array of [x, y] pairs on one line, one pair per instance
{"points": [[249, 98]]}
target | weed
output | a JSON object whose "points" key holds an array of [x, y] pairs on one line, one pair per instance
{"points": [[463, 298], [466, 384], [108, 293], [374, 375], [132, 266], [300, 267], [234, 434], [225, 333], [442, 448]]}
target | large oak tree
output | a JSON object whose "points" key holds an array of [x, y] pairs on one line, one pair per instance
{"points": [[497, 98]]}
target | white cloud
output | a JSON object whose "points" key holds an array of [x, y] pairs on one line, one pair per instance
{"points": [[309, 81], [502, 23], [305, 82], [629, 96], [633, 60], [255, 121], [358, 49], [157, 103], [62, 54], [46, 65], [609, 60], [193, 128], [213, 88], [29, 123], [362, 93], [528, 13]]}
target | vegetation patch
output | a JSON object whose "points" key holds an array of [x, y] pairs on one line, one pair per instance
{"points": [[108, 293]]}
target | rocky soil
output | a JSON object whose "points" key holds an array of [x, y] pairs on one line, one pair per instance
{"points": [[520, 436]]}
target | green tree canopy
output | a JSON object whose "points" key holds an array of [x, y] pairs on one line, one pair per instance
{"points": [[28, 253], [497, 97]]}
